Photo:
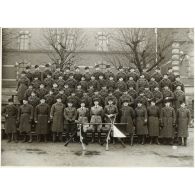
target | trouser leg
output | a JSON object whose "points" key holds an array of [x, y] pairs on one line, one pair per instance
{"points": [[143, 139], [15, 137], [30, 138], [24, 138], [38, 138], [60, 136], [131, 139], [45, 138], [151, 139], [185, 141], [9, 137], [54, 136], [157, 141]]}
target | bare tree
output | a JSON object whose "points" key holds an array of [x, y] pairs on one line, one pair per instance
{"points": [[138, 46], [64, 43]]}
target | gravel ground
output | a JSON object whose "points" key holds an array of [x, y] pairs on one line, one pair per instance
{"points": [[49, 154]]}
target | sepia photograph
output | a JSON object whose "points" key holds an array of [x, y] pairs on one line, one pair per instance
{"points": [[97, 97]]}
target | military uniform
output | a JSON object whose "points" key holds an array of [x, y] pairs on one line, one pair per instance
{"points": [[178, 83], [132, 93], [158, 98], [134, 75], [96, 74], [48, 82], [104, 94], [83, 117], [94, 83], [99, 97], [153, 84], [158, 76], [60, 83], [75, 100], [90, 92], [84, 85], [79, 93], [87, 100], [37, 74], [179, 97], [41, 92], [131, 83], [57, 74], [62, 96], [165, 82], [67, 91], [125, 97], [113, 98], [141, 99], [101, 83], [29, 75], [87, 76], [66, 75], [28, 93], [121, 74], [146, 75], [46, 72], [107, 75], [71, 83], [121, 85], [149, 95], [141, 84], [77, 76], [50, 99], [55, 90], [168, 95], [171, 76], [33, 100], [111, 85], [36, 84]]}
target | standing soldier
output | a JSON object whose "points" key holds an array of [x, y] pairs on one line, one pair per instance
{"points": [[57, 73], [97, 96], [42, 119], [57, 118], [131, 83], [101, 82], [165, 82], [77, 74], [125, 97], [133, 74], [110, 96], [158, 97], [87, 74], [104, 93], [83, 83], [153, 122], [183, 120], [47, 71], [178, 82], [36, 83], [157, 75], [29, 74], [50, 98], [61, 95], [148, 94], [71, 82], [121, 85], [168, 95], [93, 82], [74, 99], [37, 73], [128, 116], [97, 72], [22, 86], [87, 100], [90, 91], [111, 83], [67, 90], [42, 91], [28, 91], [141, 122], [79, 91], [171, 74], [141, 98], [10, 113], [121, 74], [48, 81], [108, 73], [179, 97], [132, 93], [146, 74], [66, 74], [117, 93], [141, 84], [153, 84], [168, 121], [55, 89], [60, 82], [96, 114], [25, 117], [70, 115]]}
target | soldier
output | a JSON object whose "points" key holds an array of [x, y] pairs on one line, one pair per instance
{"points": [[74, 99], [28, 91], [108, 73], [87, 74], [121, 85], [153, 84], [171, 74], [131, 91], [96, 114], [177, 82], [121, 74], [104, 93], [110, 96], [141, 84], [125, 97], [93, 82], [83, 117], [157, 75], [133, 74], [37, 73], [167, 121], [77, 74], [42, 119], [33, 99], [141, 122], [48, 81], [57, 73], [158, 97], [57, 118], [22, 86], [97, 96], [131, 83], [83, 83], [179, 97], [60, 82], [117, 93], [55, 89], [141, 98], [61, 95], [29, 74], [67, 90], [90, 91], [153, 122], [79, 91], [50, 98], [165, 82], [146, 74], [10, 113], [42, 91], [183, 121], [148, 94], [25, 117], [36, 83], [111, 83], [71, 82], [47, 71], [128, 116], [167, 95], [87, 100], [97, 72], [101, 82], [66, 73], [70, 115]]}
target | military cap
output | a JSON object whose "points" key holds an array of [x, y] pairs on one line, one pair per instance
{"points": [[120, 67], [170, 68], [71, 74], [36, 66], [86, 68], [42, 98], [97, 66], [139, 102], [157, 68], [27, 67], [25, 99], [49, 73], [23, 72], [167, 100], [46, 65], [110, 99], [70, 101], [96, 100], [177, 76], [10, 100], [125, 100], [82, 101], [58, 97], [107, 66], [57, 66]]}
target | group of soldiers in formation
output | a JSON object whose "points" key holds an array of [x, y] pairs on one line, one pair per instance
{"points": [[150, 104]]}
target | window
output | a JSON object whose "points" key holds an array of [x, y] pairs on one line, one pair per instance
{"points": [[102, 41], [24, 40]]}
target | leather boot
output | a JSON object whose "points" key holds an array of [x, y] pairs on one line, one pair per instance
{"points": [[60, 137], [93, 137], [131, 140], [185, 141], [24, 139], [45, 138], [9, 137], [54, 137], [30, 138], [99, 137], [171, 141], [157, 141], [38, 138], [15, 137], [151, 139], [143, 140]]}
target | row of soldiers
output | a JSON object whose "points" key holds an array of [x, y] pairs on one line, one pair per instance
{"points": [[127, 97]]}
